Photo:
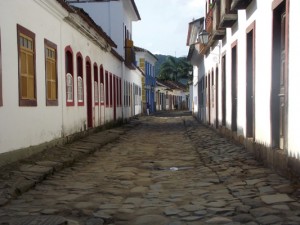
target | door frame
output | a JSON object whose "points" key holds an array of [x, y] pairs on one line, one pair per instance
{"points": [[277, 6], [250, 76]]}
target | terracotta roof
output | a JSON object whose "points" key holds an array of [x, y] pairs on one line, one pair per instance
{"points": [[139, 49], [173, 84]]}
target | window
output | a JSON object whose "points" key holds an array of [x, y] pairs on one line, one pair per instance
{"points": [[106, 89], [125, 93], [110, 89], [80, 90], [96, 88], [70, 90], [1, 100], [69, 76], [51, 73], [101, 85], [120, 92], [27, 80]]}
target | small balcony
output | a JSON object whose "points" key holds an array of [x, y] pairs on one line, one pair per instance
{"points": [[129, 54], [201, 48], [228, 17], [240, 4], [212, 24]]}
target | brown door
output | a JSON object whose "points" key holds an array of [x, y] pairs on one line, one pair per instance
{"points": [[250, 85], [89, 95], [223, 90], [234, 89], [115, 98], [279, 94], [282, 89], [217, 97], [208, 99]]}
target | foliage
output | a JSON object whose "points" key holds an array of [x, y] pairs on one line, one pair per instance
{"points": [[175, 69]]}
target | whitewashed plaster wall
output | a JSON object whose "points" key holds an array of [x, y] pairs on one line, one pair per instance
{"points": [[26, 126], [294, 80]]}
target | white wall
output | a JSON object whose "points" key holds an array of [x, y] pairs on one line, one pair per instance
{"points": [[294, 80], [26, 126]]}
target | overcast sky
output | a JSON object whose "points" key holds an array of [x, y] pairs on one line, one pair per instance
{"points": [[164, 25]]}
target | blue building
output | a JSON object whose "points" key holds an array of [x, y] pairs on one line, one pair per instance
{"points": [[146, 61]]}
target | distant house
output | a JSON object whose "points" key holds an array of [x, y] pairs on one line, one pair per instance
{"points": [[197, 60], [171, 95], [62, 73], [248, 78], [146, 61], [116, 18]]}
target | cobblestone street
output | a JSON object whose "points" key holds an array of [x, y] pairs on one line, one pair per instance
{"points": [[168, 170]]}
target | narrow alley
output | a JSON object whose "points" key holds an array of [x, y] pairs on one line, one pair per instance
{"points": [[167, 170]]}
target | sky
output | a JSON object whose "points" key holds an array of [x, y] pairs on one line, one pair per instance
{"points": [[163, 26]]}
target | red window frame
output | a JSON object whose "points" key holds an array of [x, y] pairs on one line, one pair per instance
{"points": [[96, 79], [79, 66], [120, 92], [106, 89], [102, 82], [110, 89], [69, 69], [117, 91]]}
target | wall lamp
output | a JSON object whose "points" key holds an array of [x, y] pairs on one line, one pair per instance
{"points": [[203, 36]]}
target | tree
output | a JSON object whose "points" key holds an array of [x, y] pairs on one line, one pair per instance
{"points": [[175, 68]]}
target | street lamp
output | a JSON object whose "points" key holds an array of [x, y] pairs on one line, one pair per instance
{"points": [[203, 36]]}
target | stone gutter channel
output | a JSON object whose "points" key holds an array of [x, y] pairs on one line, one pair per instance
{"points": [[21, 176]]}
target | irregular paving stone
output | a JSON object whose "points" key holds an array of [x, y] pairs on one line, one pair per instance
{"points": [[191, 218], [39, 220], [150, 220], [134, 201], [281, 207], [102, 215], [36, 169], [262, 211], [171, 211], [190, 208], [50, 211], [85, 205], [277, 198], [94, 221], [218, 220], [216, 204], [176, 223], [271, 219], [243, 218]]}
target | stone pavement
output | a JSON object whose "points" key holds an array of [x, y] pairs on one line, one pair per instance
{"points": [[168, 170]]}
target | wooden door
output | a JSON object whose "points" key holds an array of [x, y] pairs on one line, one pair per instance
{"points": [[250, 98], [89, 95], [283, 87], [234, 89]]}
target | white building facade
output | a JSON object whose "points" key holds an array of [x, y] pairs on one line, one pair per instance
{"points": [[249, 76], [60, 76]]}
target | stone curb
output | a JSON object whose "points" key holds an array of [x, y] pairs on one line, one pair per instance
{"points": [[21, 176]]}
